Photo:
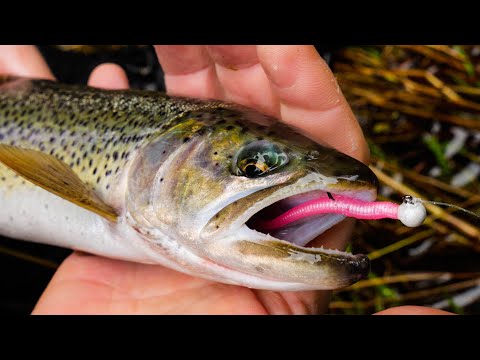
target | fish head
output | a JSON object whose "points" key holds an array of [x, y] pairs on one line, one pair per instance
{"points": [[209, 178]]}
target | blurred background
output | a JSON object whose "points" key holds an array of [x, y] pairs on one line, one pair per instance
{"points": [[419, 107]]}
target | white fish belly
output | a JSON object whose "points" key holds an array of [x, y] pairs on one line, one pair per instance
{"points": [[31, 213]]}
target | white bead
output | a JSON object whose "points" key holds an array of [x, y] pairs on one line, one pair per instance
{"points": [[412, 214]]}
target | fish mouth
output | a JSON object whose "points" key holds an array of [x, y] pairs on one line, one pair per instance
{"points": [[303, 232], [298, 254]]}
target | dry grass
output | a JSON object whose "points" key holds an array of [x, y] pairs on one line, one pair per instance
{"points": [[419, 106]]}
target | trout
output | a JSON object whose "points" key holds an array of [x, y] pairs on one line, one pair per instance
{"points": [[146, 177]]}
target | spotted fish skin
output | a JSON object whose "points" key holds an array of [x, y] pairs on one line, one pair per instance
{"points": [[167, 165], [93, 131]]}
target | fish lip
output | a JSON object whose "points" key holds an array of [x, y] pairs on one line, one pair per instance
{"points": [[321, 268]]}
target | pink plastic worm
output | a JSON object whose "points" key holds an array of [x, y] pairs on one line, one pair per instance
{"points": [[341, 205]]}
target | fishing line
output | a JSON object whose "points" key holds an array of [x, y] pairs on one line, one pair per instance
{"points": [[451, 205]]}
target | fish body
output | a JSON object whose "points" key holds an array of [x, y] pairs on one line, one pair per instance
{"points": [[145, 177]]}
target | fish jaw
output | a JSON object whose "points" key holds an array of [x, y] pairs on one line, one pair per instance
{"points": [[321, 269], [288, 260]]}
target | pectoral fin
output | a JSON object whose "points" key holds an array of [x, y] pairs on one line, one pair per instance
{"points": [[55, 176]]}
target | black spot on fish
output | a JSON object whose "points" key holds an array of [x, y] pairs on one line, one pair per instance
{"points": [[94, 171], [52, 151], [230, 127], [161, 180], [108, 186], [108, 172], [186, 139], [98, 179], [90, 163], [215, 153], [115, 155]]}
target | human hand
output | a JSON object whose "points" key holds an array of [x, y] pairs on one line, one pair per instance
{"points": [[290, 82]]}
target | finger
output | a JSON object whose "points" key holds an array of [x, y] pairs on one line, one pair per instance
{"points": [[189, 70], [23, 60], [413, 310], [242, 77], [310, 98], [108, 76]]}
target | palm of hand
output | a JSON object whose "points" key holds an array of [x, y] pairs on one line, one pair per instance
{"points": [[292, 83]]}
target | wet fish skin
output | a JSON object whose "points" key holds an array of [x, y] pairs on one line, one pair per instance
{"points": [[165, 164]]}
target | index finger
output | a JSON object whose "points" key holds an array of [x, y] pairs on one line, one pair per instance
{"points": [[310, 98]]}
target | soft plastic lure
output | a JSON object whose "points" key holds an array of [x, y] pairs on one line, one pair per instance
{"points": [[411, 212]]}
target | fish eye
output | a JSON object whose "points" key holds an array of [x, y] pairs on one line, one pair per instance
{"points": [[259, 158]]}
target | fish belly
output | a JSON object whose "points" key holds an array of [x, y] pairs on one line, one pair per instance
{"points": [[30, 213]]}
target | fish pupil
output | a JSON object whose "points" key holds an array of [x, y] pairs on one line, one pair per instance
{"points": [[252, 170]]}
